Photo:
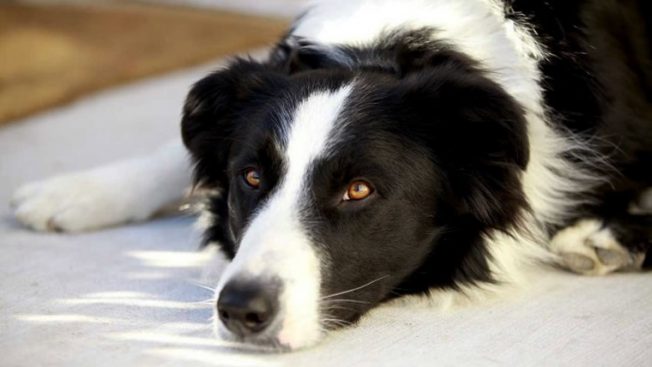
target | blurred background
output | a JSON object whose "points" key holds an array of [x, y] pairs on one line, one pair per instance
{"points": [[53, 52]]}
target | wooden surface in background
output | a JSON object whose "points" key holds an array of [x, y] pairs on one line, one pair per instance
{"points": [[50, 55]]}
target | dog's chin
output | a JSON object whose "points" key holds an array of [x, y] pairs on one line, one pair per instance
{"points": [[279, 341]]}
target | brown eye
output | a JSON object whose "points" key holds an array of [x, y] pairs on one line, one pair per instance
{"points": [[252, 178], [358, 190]]}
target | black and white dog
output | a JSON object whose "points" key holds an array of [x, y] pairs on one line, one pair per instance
{"points": [[391, 148]]}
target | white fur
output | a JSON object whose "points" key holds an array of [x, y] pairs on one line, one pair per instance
{"points": [[475, 27], [120, 192], [275, 244]]}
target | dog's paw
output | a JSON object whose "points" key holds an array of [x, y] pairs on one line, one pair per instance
{"points": [[72, 203], [589, 248]]}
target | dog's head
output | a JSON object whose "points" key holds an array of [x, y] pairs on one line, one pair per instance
{"points": [[340, 186]]}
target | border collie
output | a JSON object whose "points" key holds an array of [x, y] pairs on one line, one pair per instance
{"points": [[393, 148]]}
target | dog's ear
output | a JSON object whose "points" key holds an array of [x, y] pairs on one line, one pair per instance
{"points": [[477, 134], [211, 112], [295, 54], [418, 51]]}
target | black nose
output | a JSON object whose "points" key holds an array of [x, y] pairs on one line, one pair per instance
{"points": [[247, 308]]}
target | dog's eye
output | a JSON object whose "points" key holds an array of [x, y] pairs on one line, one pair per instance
{"points": [[251, 177], [358, 190]]}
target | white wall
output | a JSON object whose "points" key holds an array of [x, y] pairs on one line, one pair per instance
{"points": [[280, 8]]}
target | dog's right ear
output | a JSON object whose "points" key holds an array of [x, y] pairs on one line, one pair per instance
{"points": [[212, 109]]}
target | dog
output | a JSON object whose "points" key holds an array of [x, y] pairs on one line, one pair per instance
{"points": [[386, 149]]}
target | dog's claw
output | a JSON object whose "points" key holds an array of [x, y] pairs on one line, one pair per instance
{"points": [[577, 262]]}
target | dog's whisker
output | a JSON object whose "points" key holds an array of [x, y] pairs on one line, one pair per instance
{"points": [[356, 288], [328, 301], [336, 307], [337, 322], [329, 309], [200, 285]]}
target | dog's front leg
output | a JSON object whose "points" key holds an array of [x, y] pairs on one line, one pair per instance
{"points": [[124, 191]]}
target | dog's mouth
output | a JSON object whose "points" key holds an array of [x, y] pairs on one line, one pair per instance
{"points": [[272, 340], [261, 343], [253, 332], [272, 316]]}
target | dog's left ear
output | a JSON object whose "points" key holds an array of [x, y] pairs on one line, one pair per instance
{"points": [[477, 134], [212, 109]]}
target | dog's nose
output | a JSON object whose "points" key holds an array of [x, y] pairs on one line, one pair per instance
{"points": [[247, 308]]}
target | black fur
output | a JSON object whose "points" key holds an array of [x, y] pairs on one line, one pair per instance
{"points": [[599, 84]]}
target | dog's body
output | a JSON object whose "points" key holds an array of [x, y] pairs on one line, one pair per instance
{"points": [[388, 148]]}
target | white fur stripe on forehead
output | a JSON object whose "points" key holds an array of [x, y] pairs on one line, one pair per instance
{"points": [[277, 222], [312, 125]]}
